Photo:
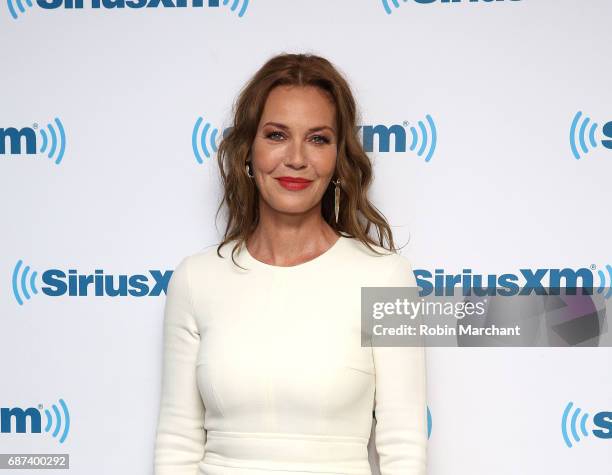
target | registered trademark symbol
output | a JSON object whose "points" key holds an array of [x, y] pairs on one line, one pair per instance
{"points": [[405, 123], [40, 406], [593, 266], [35, 126]]}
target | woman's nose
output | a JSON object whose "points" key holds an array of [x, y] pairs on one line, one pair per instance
{"points": [[296, 156]]}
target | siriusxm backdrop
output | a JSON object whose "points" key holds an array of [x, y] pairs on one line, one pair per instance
{"points": [[489, 124]]}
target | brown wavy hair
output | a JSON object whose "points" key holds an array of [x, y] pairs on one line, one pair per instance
{"points": [[357, 215]]}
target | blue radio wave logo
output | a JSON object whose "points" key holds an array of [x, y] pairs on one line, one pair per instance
{"points": [[570, 425], [579, 132], [24, 282], [428, 138], [234, 6], [387, 7], [19, 4], [53, 140], [603, 281], [57, 419], [204, 136]]}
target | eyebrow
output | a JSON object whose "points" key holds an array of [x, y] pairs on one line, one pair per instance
{"points": [[312, 129]]}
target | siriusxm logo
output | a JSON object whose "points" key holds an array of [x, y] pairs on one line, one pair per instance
{"points": [[57, 423], [387, 4], [420, 138], [423, 137], [574, 424], [582, 135], [18, 5], [56, 282], [25, 140], [529, 281]]}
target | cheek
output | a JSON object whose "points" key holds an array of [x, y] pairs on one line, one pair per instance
{"points": [[268, 155], [324, 161]]}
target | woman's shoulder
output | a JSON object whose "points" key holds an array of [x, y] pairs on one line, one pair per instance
{"points": [[207, 262], [213, 256], [370, 251], [374, 259]]}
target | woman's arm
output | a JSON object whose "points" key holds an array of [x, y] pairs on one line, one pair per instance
{"points": [[400, 398], [179, 444]]}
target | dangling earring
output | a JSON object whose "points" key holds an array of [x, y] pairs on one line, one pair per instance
{"points": [[337, 198], [248, 172]]}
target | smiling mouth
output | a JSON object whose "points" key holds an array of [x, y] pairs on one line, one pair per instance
{"points": [[292, 183], [293, 179]]}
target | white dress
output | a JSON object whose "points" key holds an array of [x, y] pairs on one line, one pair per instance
{"points": [[264, 372]]}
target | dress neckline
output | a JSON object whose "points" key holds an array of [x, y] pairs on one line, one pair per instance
{"points": [[325, 256]]}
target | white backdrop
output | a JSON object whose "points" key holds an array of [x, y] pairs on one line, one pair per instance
{"points": [[502, 82]]}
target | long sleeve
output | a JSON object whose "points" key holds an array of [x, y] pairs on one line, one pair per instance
{"points": [[180, 438], [400, 398]]}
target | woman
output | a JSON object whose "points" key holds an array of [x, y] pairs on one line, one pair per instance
{"points": [[264, 372]]}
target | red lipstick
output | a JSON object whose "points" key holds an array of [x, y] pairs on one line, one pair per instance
{"points": [[293, 183]]}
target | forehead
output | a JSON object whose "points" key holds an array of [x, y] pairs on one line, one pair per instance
{"points": [[299, 106]]}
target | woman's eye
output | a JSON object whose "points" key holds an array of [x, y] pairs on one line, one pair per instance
{"points": [[271, 134], [322, 138]]}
